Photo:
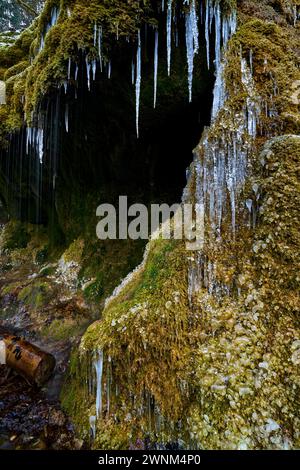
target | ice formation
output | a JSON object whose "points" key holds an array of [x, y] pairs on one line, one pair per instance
{"points": [[138, 81], [98, 365], [169, 35], [155, 67]]}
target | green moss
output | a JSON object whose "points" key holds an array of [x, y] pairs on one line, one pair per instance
{"points": [[74, 252], [65, 329], [15, 235], [35, 295]]}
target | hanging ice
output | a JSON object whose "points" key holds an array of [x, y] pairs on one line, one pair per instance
{"points": [[40, 144], [169, 35], [109, 70], [69, 68], [53, 20], [192, 42], [98, 365], [217, 13], [155, 67], [219, 92], [76, 72], [94, 67], [95, 34], [100, 46], [88, 72], [194, 26], [67, 118], [207, 36], [138, 81], [190, 52]]}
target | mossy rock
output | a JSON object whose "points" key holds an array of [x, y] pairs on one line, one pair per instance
{"points": [[36, 295]]}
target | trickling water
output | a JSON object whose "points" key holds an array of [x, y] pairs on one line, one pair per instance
{"points": [[169, 35], [138, 81], [155, 67]]}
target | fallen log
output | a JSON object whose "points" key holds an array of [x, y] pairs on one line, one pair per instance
{"points": [[35, 365]]}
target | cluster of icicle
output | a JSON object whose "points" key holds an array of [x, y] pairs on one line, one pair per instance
{"points": [[53, 20], [194, 15], [35, 141], [220, 172], [100, 384]]}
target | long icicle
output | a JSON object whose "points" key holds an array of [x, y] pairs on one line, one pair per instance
{"points": [[207, 38], [138, 81], [169, 35], [155, 67]]}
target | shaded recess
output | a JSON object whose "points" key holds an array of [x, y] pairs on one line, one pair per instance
{"points": [[90, 150]]}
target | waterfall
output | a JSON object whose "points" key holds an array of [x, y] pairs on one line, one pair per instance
{"points": [[155, 67], [138, 82]]}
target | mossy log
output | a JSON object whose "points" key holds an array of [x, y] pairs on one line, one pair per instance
{"points": [[35, 365]]}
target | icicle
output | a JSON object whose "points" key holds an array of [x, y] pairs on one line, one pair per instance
{"points": [[88, 72], [155, 67], [138, 81], [100, 47], [162, 5], [40, 144], [189, 51], [76, 73], [95, 34], [194, 26], [67, 118], [98, 364], [169, 35], [219, 92], [251, 61], [207, 36], [69, 68], [217, 13], [94, 67], [109, 70]]}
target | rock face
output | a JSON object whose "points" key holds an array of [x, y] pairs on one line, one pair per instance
{"points": [[198, 348]]}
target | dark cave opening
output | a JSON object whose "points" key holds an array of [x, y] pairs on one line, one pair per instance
{"points": [[99, 157]]}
